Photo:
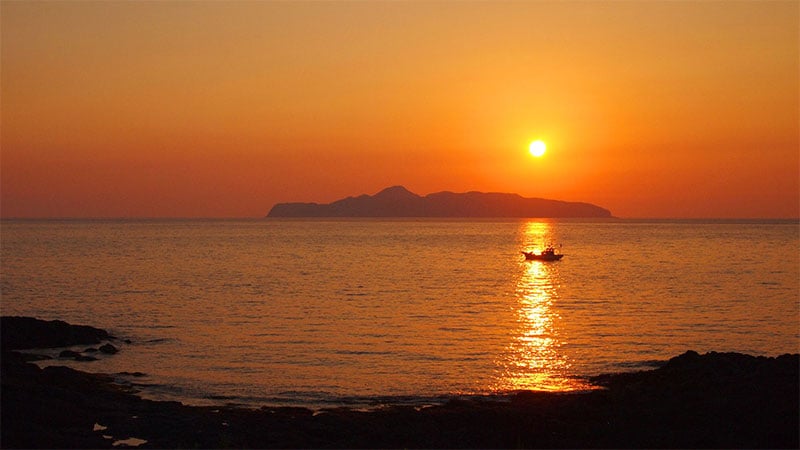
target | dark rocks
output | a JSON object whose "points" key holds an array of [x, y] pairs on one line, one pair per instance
{"points": [[17, 333], [76, 356], [132, 374], [27, 333], [694, 401], [108, 349], [29, 357], [711, 400], [657, 408], [53, 407], [69, 354]]}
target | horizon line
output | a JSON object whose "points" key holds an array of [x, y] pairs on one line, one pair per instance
{"points": [[98, 218]]}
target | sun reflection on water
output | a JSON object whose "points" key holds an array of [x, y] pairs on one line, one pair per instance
{"points": [[533, 359]]}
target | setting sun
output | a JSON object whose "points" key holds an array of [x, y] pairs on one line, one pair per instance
{"points": [[537, 148]]}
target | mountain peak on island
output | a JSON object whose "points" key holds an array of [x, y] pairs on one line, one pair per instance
{"points": [[396, 192], [397, 201]]}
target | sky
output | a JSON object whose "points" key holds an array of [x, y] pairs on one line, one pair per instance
{"points": [[678, 109]]}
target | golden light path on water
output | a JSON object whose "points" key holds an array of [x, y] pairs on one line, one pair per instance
{"points": [[533, 359]]}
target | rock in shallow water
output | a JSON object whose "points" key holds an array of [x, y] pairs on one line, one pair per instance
{"points": [[69, 354], [76, 356], [108, 349]]}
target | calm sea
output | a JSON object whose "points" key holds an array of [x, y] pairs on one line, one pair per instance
{"points": [[363, 312]]}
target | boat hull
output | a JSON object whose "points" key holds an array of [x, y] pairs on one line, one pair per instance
{"points": [[530, 256]]}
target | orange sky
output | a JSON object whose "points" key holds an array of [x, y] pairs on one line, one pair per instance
{"points": [[221, 109]]}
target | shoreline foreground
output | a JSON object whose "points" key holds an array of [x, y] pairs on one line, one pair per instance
{"points": [[714, 400]]}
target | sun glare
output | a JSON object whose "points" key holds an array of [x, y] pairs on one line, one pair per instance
{"points": [[537, 148]]}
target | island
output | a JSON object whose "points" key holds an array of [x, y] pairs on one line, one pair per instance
{"points": [[397, 201]]}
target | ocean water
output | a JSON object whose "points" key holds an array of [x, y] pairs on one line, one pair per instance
{"points": [[366, 312]]}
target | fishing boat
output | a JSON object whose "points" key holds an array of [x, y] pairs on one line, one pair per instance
{"points": [[549, 254]]}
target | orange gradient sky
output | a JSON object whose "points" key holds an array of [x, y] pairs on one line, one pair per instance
{"points": [[221, 109]]}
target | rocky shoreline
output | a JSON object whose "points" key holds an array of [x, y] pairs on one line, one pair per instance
{"points": [[713, 400]]}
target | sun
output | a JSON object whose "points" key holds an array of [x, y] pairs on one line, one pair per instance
{"points": [[537, 148]]}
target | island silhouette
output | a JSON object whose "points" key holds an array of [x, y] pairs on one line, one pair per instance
{"points": [[397, 201]]}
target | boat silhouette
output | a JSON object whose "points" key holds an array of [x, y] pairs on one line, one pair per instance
{"points": [[548, 254]]}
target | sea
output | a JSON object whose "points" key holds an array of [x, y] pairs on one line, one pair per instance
{"points": [[363, 313]]}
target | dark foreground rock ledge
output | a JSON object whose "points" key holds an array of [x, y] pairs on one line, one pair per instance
{"points": [[694, 401], [17, 333]]}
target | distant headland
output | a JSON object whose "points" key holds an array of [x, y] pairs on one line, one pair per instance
{"points": [[397, 201]]}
